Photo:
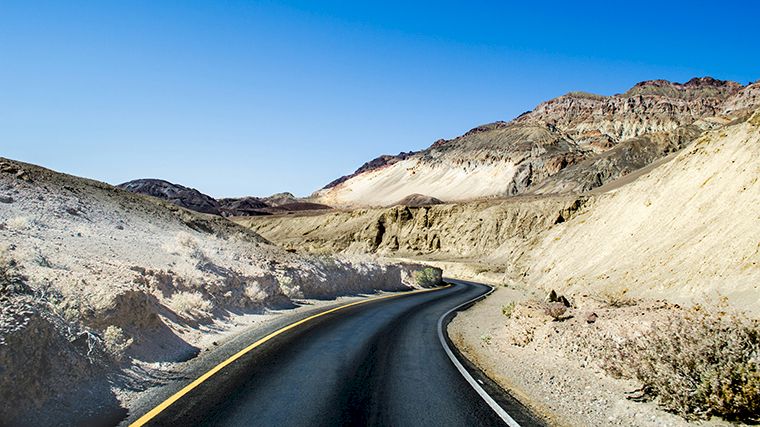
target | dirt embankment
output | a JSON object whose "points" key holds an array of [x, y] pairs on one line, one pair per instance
{"points": [[684, 233], [101, 288], [479, 232]]}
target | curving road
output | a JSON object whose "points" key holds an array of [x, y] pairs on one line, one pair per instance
{"points": [[377, 363]]}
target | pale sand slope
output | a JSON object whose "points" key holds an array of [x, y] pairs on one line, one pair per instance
{"points": [[99, 287], [686, 231], [442, 180]]}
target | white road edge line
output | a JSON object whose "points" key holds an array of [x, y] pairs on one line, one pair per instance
{"points": [[478, 389]]}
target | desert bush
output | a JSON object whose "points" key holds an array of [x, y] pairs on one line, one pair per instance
{"points": [[116, 341], [508, 309], [698, 364], [11, 279], [427, 277], [556, 310], [18, 223], [190, 305], [616, 298]]}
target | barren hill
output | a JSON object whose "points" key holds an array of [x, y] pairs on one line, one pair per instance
{"points": [[573, 143], [682, 228], [101, 289]]}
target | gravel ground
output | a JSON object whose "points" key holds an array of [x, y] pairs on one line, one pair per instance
{"points": [[552, 373]]}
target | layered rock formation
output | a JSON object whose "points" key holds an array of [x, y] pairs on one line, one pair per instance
{"points": [[683, 227], [573, 143]]}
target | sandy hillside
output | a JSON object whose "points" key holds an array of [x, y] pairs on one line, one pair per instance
{"points": [[633, 264], [685, 231], [573, 143], [99, 287]]}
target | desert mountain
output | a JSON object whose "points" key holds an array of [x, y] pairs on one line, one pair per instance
{"points": [[683, 228], [190, 198], [179, 195], [572, 143]]}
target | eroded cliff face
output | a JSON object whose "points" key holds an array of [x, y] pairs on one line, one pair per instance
{"points": [[649, 107], [687, 230], [573, 143], [482, 231]]}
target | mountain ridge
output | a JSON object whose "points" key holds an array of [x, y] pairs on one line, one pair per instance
{"points": [[652, 119]]}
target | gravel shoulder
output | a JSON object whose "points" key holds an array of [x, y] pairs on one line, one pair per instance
{"points": [[552, 374]]}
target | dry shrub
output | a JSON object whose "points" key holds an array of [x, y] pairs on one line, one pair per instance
{"points": [[508, 309], [616, 298], [699, 363], [11, 279], [116, 341], [18, 223], [427, 277], [190, 305]]}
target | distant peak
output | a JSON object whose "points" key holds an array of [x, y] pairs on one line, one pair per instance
{"points": [[697, 86], [695, 82]]}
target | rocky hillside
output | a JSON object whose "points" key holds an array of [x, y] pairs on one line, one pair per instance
{"points": [[683, 228], [100, 288], [573, 143], [687, 230], [194, 200], [179, 195], [471, 232]]}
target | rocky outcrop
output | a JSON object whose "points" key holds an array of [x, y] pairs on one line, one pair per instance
{"points": [[472, 231], [194, 200], [179, 195], [573, 143], [649, 107], [417, 200]]}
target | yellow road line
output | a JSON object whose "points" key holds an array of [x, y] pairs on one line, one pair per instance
{"points": [[178, 395]]}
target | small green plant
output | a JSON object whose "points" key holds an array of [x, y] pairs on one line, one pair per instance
{"points": [[116, 341], [508, 309], [427, 277]]}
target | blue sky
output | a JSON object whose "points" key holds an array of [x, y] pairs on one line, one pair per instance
{"points": [[237, 98]]}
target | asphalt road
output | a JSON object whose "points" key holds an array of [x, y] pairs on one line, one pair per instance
{"points": [[378, 363]]}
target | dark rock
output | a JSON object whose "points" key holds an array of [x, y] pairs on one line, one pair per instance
{"points": [[591, 318], [417, 200], [552, 297], [179, 195]]}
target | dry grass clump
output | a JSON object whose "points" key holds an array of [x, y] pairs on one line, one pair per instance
{"points": [[116, 341], [190, 305], [698, 363], [616, 298]]}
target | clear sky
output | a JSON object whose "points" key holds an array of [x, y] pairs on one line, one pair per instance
{"points": [[250, 98]]}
